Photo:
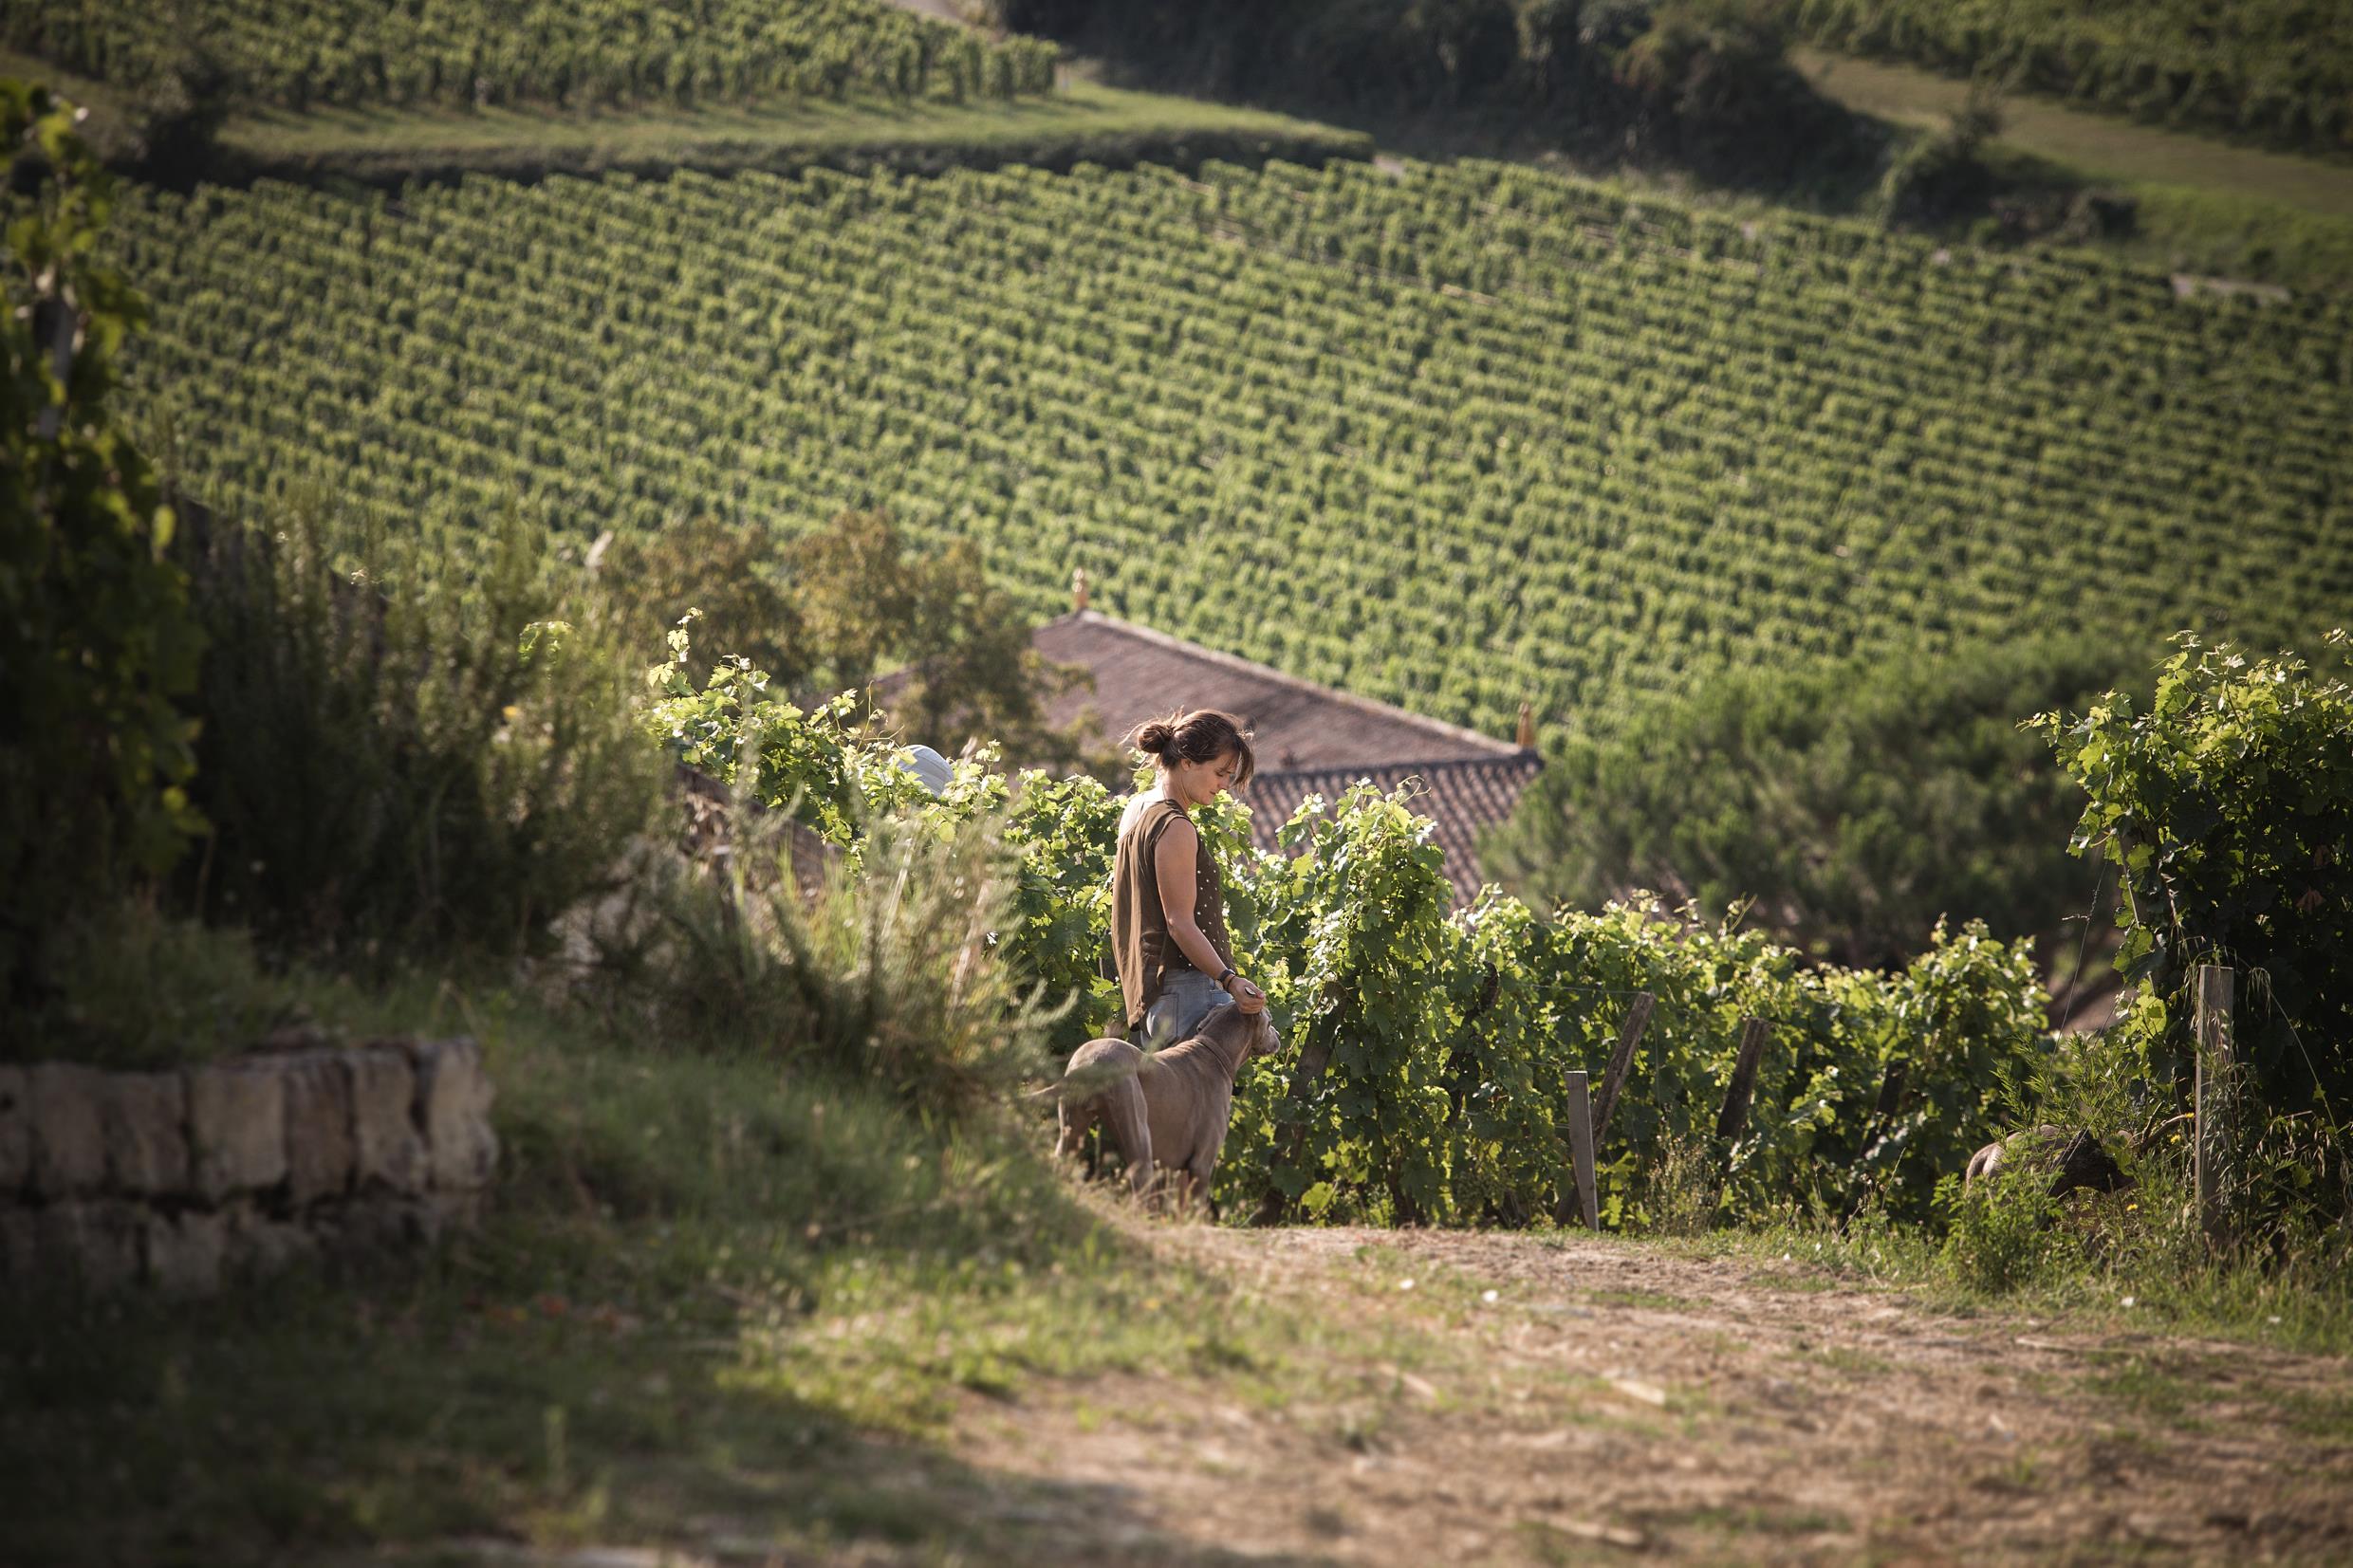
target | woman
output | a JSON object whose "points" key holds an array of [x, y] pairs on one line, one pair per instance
{"points": [[1168, 908]]}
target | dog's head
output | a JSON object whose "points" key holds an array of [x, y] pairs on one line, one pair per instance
{"points": [[1255, 1032], [1265, 1039]]}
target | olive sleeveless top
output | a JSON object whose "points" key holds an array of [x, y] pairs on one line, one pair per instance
{"points": [[1141, 944]]}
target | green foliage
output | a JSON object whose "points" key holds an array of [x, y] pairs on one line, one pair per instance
{"points": [[2227, 802], [292, 54], [944, 652], [131, 987], [887, 976], [1428, 1050], [1857, 803], [826, 767], [2280, 71], [1713, 77], [1492, 436], [1943, 176], [95, 642], [2000, 1232], [417, 742]]}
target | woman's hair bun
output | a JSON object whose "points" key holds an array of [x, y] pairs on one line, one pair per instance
{"points": [[1153, 738]]}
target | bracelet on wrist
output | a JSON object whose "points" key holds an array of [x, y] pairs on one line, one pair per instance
{"points": [[1225, 979]]}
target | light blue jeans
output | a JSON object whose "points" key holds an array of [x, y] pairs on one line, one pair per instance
{"points": [[1186, 997]]}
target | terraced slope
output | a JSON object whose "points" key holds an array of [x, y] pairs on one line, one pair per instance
{"points": [[298, 54], [1454, 439]]}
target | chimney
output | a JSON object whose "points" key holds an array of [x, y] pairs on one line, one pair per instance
{"points": [[1078, 589], [1527, 737]]}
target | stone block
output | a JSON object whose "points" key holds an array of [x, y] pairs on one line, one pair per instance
{"points": [[318, 1125], [100, 1243], [15, 1132], [20, 1246], [454, 1107], [68, 1137], [367, 1229], [236, 1129], [388, 1153], [143, 1118], [185, 1253], [254, 1245]]}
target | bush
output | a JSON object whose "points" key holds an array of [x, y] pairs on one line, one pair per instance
{"points": [[1712, 82], [2000, 1234], [97, 646], [2228, 804], [1855, 803], [891, 975], [420, 744], [1942, 178]]}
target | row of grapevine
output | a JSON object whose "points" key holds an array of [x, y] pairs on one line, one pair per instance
{"points": [[1455, 440], [1426, 1074], [295, 54], [2281, 70]]}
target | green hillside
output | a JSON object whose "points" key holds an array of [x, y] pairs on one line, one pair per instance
{"points": [[297, 54], [2278, 71], [1454, 438]]}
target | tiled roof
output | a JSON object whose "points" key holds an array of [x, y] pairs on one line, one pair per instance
{"points": [[1141, 675], [1309, 738], [1461, 795]]}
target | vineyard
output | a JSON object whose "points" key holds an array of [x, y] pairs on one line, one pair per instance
{"points": [[297, 54], [2280, 71], [1458, 438]]}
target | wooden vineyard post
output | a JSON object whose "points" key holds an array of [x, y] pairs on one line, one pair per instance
{"points": [[2211, 1107], [1614, 1076], [1580, 1148], [1733, 1119], [1734, 1116]]}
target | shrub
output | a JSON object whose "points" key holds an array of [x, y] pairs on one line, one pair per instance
{"points": [[891, 975], [97, 646], [2228, 803], [1942, 176], [2000, 1231], [411, 745], [1856, 801]]}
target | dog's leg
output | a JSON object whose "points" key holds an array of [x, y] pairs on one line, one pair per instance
{"points": [[1125, 1112]]}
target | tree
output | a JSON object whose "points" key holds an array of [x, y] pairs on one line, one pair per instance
{"points": [[96, 644], [1856, 803], [943, 653]]}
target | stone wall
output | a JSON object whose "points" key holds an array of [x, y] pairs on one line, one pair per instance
{"points": [[183, 1179]]}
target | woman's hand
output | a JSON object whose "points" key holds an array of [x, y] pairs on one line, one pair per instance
{"points": [[1247, 997]]}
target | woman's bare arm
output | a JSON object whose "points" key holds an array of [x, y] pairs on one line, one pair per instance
{"points": [[1173, 867]]}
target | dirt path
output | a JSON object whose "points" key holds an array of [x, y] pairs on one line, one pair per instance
{"points": [[1610, 1400]]}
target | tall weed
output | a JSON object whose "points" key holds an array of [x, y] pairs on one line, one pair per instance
{"points": [[891, 973]]}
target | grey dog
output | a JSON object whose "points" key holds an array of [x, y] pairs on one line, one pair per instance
{"points": [[1167, 1108]]}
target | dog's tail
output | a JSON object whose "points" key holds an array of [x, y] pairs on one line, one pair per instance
{"points": [[1089, 1081]]}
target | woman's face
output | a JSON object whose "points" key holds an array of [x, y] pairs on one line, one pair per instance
{"points": [[1197, 783]]}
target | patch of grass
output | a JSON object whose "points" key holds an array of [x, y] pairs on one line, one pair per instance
{"points": [[2100, 146], [2202, 206], [1854, 1363], [704, 1292], [140, 989], [2117, 1271], [1758, 1519], [1656, 1300], [2165, 1389], [1084, 122]]}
